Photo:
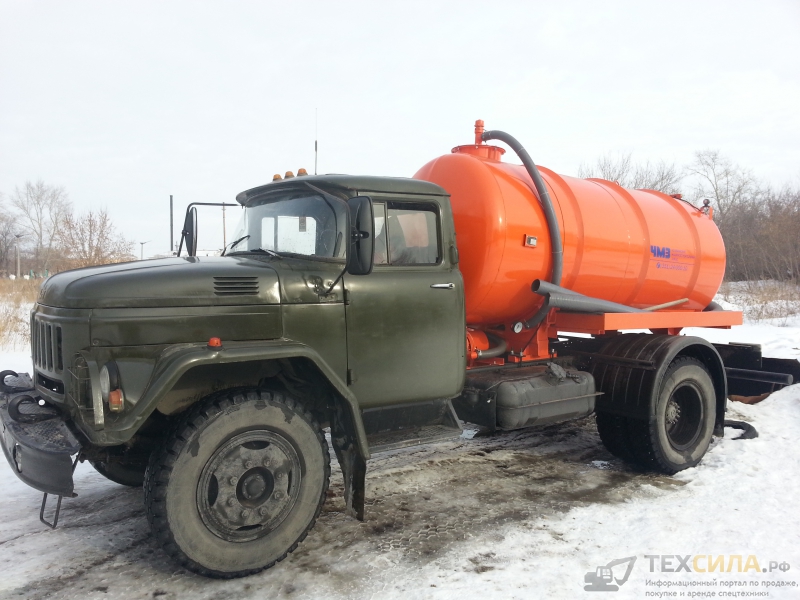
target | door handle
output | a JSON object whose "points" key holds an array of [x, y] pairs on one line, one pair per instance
{"points": [[443, 286]]}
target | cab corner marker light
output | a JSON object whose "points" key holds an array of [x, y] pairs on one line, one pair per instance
{"points": [[214, 343], [276, 177], [288, 175], [301, 171]]}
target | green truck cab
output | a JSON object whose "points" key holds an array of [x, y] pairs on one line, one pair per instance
{"points": [[210, 379]]}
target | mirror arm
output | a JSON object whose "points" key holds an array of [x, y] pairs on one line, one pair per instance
{"points": [[355, 236], [335, 281], [188, 208]]}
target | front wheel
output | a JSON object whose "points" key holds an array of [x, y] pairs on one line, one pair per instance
{"points": [[130, 474], [239, 483]]}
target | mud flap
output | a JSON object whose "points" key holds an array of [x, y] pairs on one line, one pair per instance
{"points": [[352, 463]]}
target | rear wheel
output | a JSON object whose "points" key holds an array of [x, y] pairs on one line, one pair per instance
{"points": [[239, 483], [679, 431], [613, 431]]}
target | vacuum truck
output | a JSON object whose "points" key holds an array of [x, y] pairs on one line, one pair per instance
{"points": [[390, 312]]}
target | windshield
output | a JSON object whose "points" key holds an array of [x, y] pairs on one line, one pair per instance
{"points": [[293, 223]]}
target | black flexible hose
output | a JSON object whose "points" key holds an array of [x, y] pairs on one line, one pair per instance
{"points": [[556, 248], [712, 307], [749, 432], [585, 304], [545, 287], [558, 297], [497, 350]]}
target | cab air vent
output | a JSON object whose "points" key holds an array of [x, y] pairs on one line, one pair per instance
{"points": [[236, 286]]}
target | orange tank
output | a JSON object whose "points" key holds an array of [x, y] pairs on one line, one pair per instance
{"points": [[636, 247]]}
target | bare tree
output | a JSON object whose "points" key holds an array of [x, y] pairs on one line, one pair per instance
{"points": [[759, 224], [761, 236], [9, 229], [723, 182], [41, 208], [661, 176], [609, 167], [91, 239]]}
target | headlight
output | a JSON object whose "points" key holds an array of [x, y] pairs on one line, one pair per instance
{"points": [[109, 379]]}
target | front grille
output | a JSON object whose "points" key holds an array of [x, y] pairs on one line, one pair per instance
{"points": [[236, 286], [46, 342]]}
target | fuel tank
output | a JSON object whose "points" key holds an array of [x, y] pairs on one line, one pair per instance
{"points": [[640, 248]]}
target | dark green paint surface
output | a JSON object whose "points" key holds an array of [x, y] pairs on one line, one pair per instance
{"points": [[175, 325], [321, 327], [393, 339], [187, 281], [405, 340]]}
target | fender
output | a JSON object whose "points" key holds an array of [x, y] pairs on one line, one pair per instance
{"points": [[177, 360], [629, 389]]}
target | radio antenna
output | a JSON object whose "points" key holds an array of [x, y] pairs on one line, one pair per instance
{"points": [[316, 137]]}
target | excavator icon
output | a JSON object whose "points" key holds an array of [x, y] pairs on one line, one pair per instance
{"points": [[600, 579]]}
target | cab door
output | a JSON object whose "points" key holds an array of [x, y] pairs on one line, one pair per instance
{"points": [[406, 320]]}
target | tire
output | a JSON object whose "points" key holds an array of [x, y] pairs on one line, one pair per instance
{"points": [[124, 474], [613, 432], [238, 484], [678, 433]]}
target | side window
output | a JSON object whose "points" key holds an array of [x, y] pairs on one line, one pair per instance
{"points": [[412, 233], [381, 254]]}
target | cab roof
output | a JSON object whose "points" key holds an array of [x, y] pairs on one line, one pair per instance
{"points": [[348, 185]]}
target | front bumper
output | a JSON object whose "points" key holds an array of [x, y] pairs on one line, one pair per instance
{"points": [[40, 453]]}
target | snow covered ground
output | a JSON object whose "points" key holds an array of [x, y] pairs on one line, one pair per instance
{"points": [[511, 515]]}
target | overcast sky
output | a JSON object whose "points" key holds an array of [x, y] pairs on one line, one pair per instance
{"points": [[125, 103]]}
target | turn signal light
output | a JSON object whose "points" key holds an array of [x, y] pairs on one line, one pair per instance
{"points": [[115, 401]]}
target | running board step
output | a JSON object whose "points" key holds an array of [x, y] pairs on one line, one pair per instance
{"points": [[403, 438], [406, 425]]}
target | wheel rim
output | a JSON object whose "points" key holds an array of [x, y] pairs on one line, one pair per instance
{"points": [[683, 416], [249, 485]]}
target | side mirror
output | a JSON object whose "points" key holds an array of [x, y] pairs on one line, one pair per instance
{"points": [[189, 232], [362, 236]]}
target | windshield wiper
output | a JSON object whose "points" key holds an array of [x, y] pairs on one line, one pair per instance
{"points": [[265, 251], [232, 244], [258, 251]]}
